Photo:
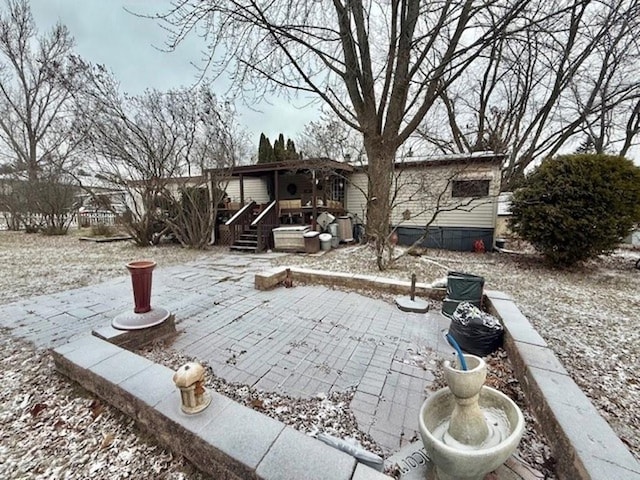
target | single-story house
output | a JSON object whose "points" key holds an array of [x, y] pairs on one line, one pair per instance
{"points": [[454, 197]]}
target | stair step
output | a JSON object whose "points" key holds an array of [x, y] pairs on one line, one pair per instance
{"points": [[242, 248], [246, 243]]}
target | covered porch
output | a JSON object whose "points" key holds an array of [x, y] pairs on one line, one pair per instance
{"points": [[262, 197]]}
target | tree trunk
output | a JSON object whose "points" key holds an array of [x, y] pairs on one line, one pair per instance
{"points": [[380, 174]]}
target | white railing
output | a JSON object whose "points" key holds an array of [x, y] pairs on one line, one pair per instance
{"points": [[89, 219], [79, 220]]}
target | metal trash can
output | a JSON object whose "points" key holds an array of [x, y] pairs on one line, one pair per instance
{"points": [[325, 241], [345, 229], [311, 242], [333, 230]]}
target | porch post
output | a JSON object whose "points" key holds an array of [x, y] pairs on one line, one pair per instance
{"points": [[241, 190], [314, 210]]}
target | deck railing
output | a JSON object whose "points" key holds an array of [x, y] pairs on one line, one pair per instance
{"points": [[240, 221], [264, 223]]}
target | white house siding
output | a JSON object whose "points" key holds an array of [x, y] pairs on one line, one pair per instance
{"points": [[355, 199], [419, 188], [175, 186], [254, 189], [633, 238]]}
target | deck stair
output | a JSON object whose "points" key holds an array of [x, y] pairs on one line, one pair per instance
{"points": [[248, 241]]}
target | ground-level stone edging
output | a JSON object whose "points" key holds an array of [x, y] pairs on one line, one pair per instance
{"points": [[583, 443], [227, 440], [271, 278]]}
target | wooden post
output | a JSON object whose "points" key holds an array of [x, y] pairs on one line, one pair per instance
{"points": [[413, 286], [314, 209], [241, 190]]}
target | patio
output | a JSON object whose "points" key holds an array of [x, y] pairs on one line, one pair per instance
{"points": [[301, 341]]}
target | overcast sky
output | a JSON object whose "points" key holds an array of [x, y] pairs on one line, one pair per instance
{"points": [[107, 34]]}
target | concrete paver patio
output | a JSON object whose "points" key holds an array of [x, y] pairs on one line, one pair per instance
{"points": [[314, 339], [300, 341]]}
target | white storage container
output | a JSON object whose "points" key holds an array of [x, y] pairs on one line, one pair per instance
{"points": [[290, 239]]}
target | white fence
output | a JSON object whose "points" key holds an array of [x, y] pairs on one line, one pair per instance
{"points": [[80, 219], [89, 219]]}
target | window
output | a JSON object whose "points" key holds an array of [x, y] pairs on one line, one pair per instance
{"points": [[470, 188], [337, 189]]}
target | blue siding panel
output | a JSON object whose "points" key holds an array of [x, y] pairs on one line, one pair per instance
{"points": [[447, 238]]}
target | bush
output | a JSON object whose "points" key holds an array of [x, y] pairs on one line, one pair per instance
{"points": [[102, 230], [55, 230], [575, 207], [192, 219]]}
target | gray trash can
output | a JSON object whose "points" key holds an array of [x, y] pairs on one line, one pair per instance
{"points": [[345, 229], [311, 242], [333, 230]]}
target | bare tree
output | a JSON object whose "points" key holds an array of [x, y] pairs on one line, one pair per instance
{"points": [[215, 144], [544, 89], [143, 145], [329, 137], [40, 131], [379, 66]]}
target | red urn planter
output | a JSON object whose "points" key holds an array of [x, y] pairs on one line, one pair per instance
{"points": [[141, 275], [143, 316]]}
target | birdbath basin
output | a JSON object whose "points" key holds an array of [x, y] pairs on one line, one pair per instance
{"points": [[469, 429]]}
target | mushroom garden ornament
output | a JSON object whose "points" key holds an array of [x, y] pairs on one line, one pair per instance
{"points": [[190, 378]]}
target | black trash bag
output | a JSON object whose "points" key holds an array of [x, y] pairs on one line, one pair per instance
{"points": [[477, 332]]}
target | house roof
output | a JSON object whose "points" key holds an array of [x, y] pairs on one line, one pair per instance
{"points": [[454, 159], [295, 165]]}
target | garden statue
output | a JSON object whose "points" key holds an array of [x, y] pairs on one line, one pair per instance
{"points": [[190, 380]]}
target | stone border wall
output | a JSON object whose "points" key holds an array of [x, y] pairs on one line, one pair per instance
{"points": [[227, 440], [583, 443]]}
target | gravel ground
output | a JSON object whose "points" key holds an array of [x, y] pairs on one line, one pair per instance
{"points": [[65, 262], [585, 314], [52, 429]]}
